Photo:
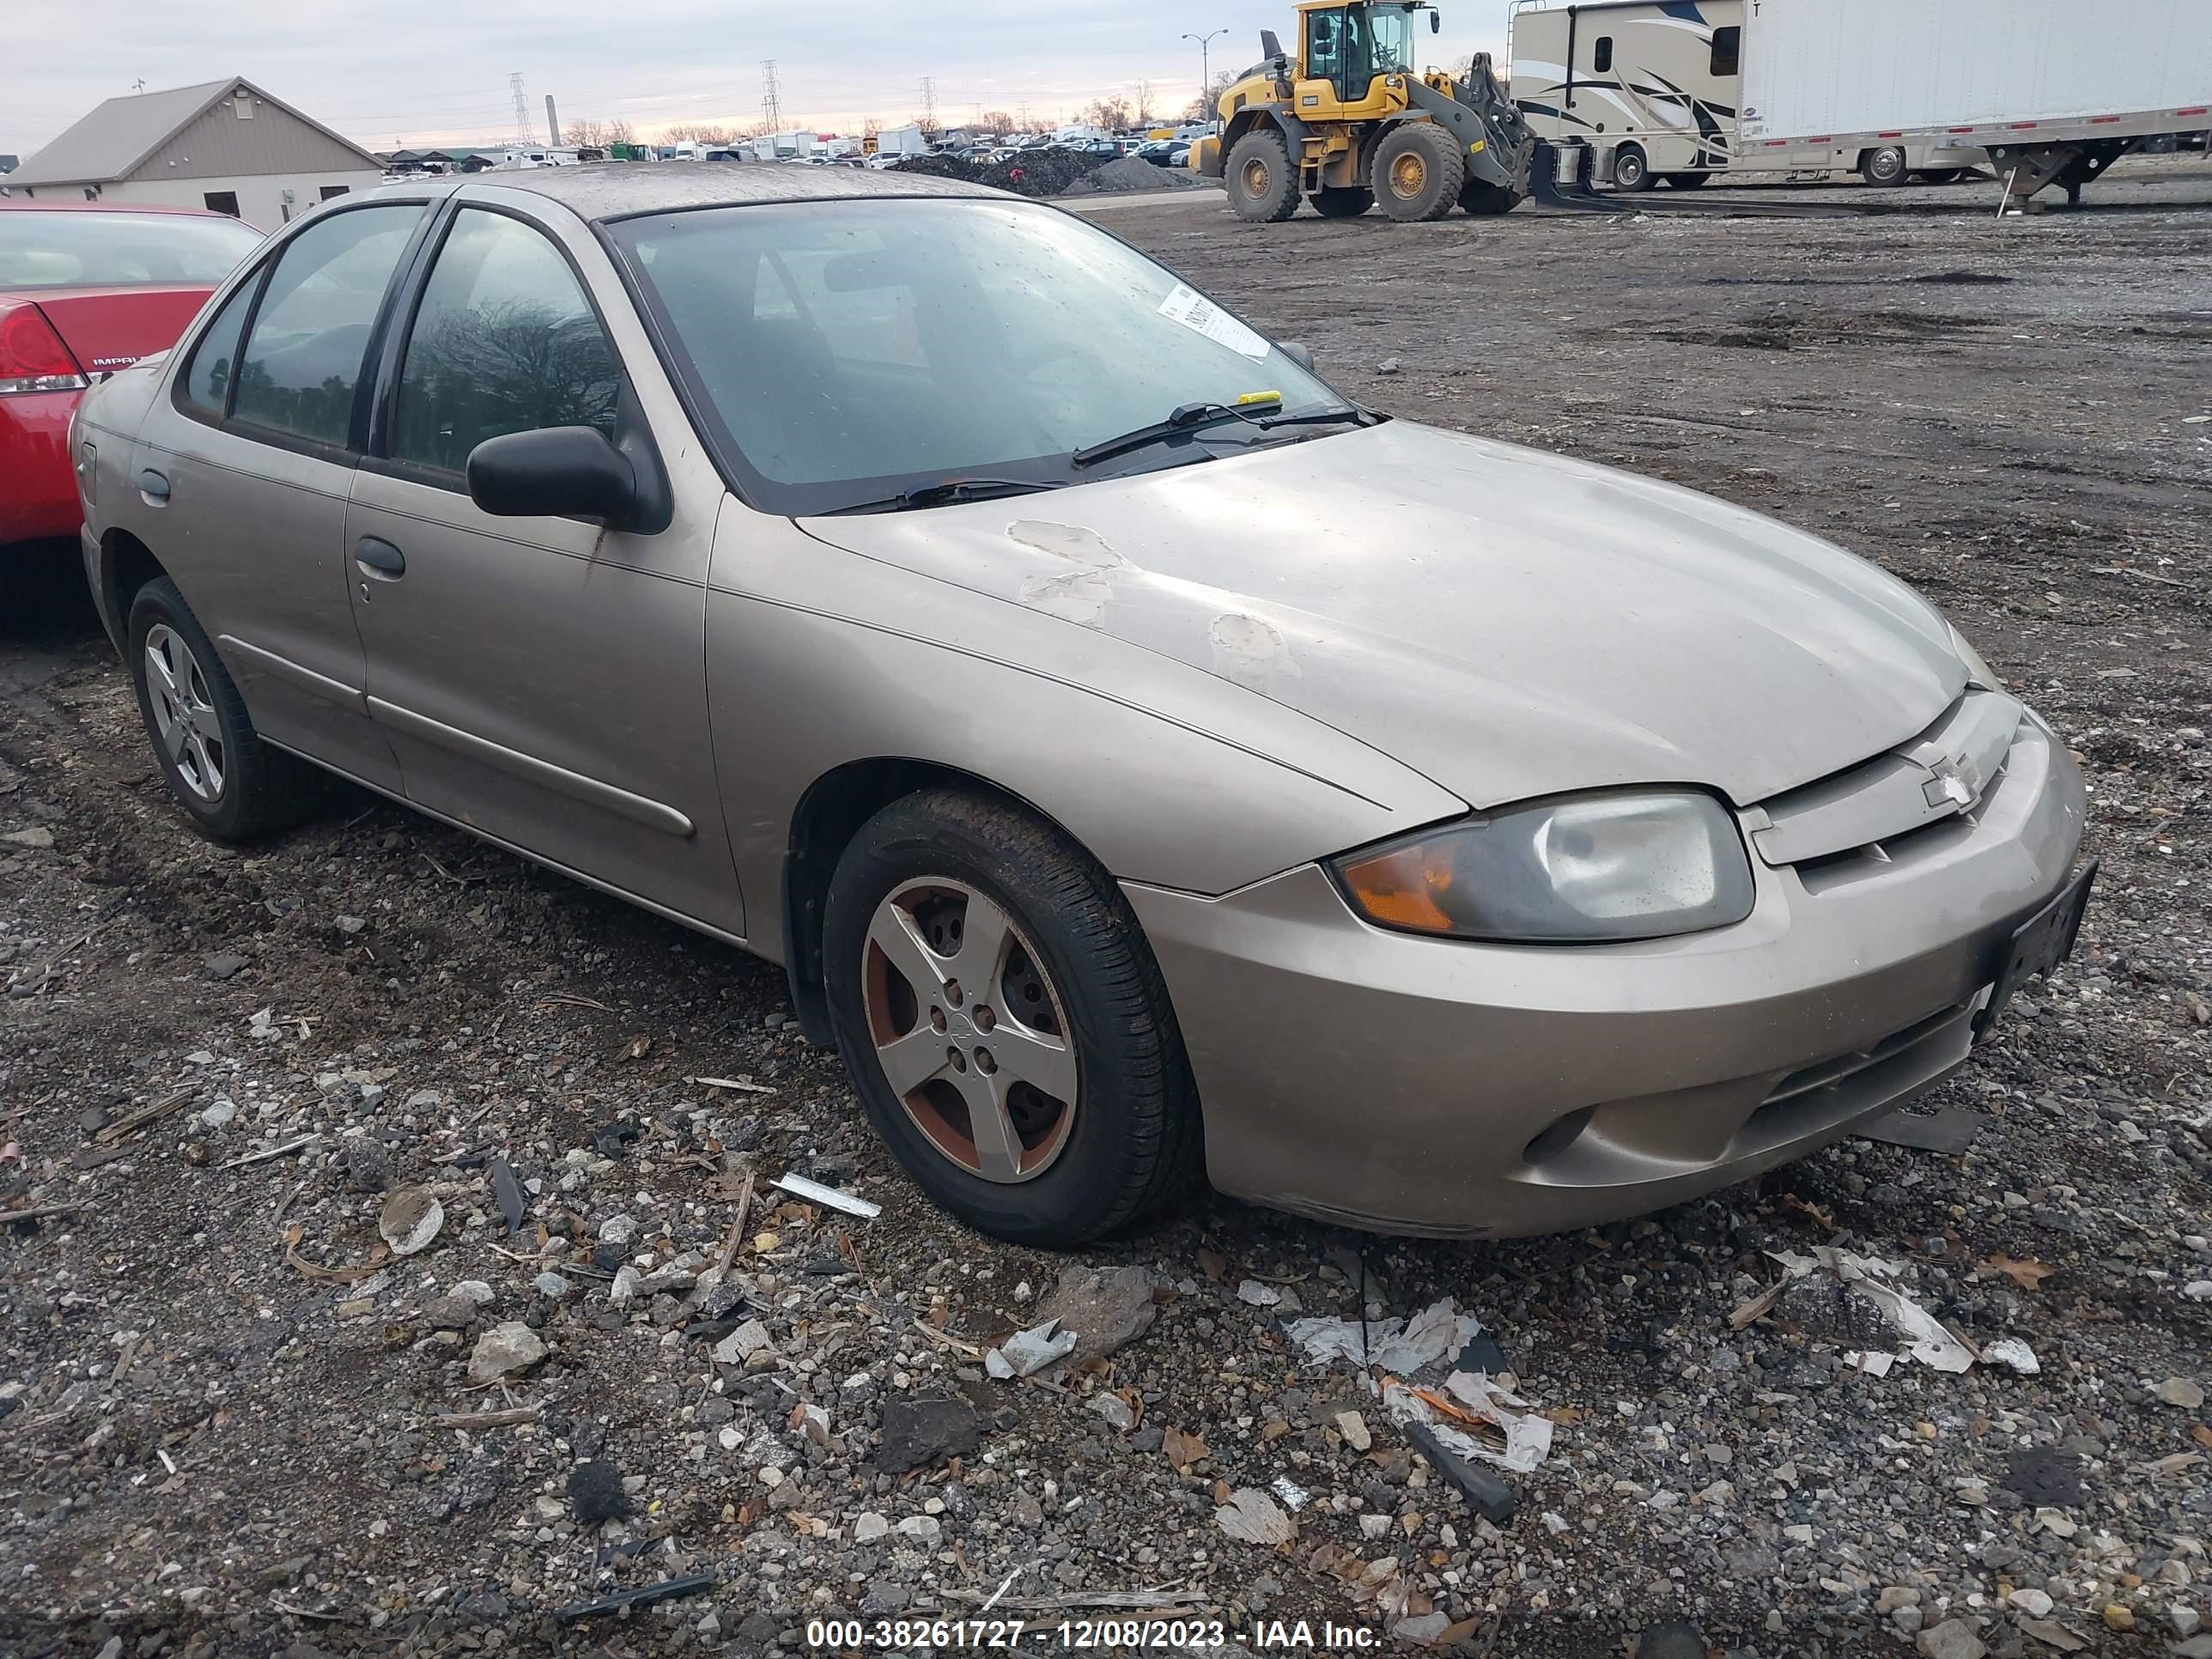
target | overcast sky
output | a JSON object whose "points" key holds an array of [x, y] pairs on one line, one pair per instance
{"points": [[436, 71]]}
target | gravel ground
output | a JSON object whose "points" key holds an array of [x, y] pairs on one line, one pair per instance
{"points": [[225, 1398]]}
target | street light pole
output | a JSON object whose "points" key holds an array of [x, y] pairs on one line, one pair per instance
{"points": [[1206, 74]]}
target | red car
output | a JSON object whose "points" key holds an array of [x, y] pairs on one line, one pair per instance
{"points": [[85, 289]]}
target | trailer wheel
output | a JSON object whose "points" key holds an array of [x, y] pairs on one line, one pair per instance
{"points": [[1631, 170], [1263, 186], [1343, 201], [1686, 180], [1481, 199], [1885, 166], [1418, 173]]}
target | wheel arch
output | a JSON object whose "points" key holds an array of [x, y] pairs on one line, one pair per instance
{"points": [[125, 565], [829, 815]]}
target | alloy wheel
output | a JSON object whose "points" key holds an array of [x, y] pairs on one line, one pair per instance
{"points": [[183, 713], [969, 1030]]}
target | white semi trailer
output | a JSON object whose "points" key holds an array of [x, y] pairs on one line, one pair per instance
{"points": [[2054, 91]]}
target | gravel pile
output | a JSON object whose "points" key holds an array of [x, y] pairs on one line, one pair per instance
{"points": [[1053, 172]]}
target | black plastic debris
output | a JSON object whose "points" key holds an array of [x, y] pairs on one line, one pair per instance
{"points": [[2045, 1478], [644, 1596], [1481, 1354], [508, 1191], [595, 1489], [1493, 1499], [613, 1140]]}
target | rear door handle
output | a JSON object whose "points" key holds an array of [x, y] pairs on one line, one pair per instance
{"points": [[153, 485], [379, 559]]}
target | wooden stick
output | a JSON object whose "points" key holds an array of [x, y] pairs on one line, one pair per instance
{"points": [[137, 1121], [266, 1153], [38, 1213], [737, 1238], [506, 1419]]}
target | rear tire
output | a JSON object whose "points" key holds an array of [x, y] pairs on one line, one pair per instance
{"points": [[1686, 180], [1631, 170], [1942, 175], [1343, 201], [1885, 167], [1418, 173], [1263, 186], [1482, 199], [233, 787], [1063, 986]]}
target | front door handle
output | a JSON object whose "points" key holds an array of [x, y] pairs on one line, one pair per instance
{"points": [[379, 559], [153, 485]]}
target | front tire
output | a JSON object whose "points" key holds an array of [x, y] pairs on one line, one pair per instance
{"points": [[1631, 170], [1004, 1022], [1343, 201], [1885, 167], [234, 787], [1418, 173], [1479, 199], [1686, 180], [1263, 186]]}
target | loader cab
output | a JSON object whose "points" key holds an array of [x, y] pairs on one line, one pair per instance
{"points": [[1343, 48]]}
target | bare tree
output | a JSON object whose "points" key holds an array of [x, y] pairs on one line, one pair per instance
{"points": [[1112, 114], [1203, 109], [997, 121], [588, 134], [618, 132], [1144, 102]]}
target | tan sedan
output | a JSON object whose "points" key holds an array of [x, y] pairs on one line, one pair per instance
{"points": [[1426, 833]]}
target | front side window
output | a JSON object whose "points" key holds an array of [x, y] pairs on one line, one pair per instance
{"points": [[1728, 44], [1389, 47], [843, 350], [207, 383], [1602, 55], [68, 248], [503, 342], [1324, 44], [303, 360]]}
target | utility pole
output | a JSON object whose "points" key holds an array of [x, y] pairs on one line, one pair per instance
{"points": [[521, 110], [929, 103], [1206, 74], [552, 123], [771, 97]]}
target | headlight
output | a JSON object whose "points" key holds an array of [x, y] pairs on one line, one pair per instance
{"points": [[1978, 672], [1576, 870]]}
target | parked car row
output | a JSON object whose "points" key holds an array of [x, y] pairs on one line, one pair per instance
{"points": [[1136, 751]]}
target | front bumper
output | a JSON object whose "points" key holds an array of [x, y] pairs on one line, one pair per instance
{"points": [[1421, 1085]]}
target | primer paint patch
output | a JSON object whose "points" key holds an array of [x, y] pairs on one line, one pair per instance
{"points": [[1080, 595], [1250, 651], [1072, 542]]}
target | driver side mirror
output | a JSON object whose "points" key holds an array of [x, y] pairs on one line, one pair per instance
{"points": [[1298, 352], [1436, 23], [553, 472]]}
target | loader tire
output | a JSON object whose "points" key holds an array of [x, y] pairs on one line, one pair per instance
{"points": [[1418, 173], [1481, 199], [1263, 186], [1343, 201]]}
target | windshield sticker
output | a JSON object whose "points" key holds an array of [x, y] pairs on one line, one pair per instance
{"points": [[1200, 315]]}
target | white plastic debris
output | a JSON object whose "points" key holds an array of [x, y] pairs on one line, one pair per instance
{"points": [[1027, 1353], [1294, 1496], [1252, 1518], [815, 1193], [2011, 1350], [1400, 1349], [1874, 1364], [1926, 1340], [1503, 1430]]}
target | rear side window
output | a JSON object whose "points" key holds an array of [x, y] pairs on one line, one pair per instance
{"points": [[303, 360], [1601, 58], [503, 342], [1728, 49], [97, 249], [207, 387]]}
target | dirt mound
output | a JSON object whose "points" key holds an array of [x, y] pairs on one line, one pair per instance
{"points": [[1052, 173], [1130, 173]]}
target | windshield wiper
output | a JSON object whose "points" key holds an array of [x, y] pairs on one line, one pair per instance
{"points": [[948, 492], [1193, 417]]}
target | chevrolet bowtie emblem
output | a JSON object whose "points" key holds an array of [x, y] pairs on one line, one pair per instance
{"points": [[1957, 781]]}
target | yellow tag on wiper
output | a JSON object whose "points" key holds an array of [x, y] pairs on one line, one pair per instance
{"points": [[1259, 398]]}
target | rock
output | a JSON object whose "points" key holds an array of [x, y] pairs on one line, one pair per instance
{"points": [[368, 1163], [742, 1344], [1256, 1294], [923, 1430], [2118, 1615], [37, 837], [623, 1291], [351, 925], [2181, 1391], [1116, 1411], [477, 1291], [450, 1313], [219, 1115], [1354, 1427], [2185, 1620], [411, 1220], [550, 1284], [505, 1349], [223, 964], [595, 1492], [1388, 365], [869, 1528], [1251, 1516], [924, 1529], [1372, 1525], [1954, 1638], [619, 1230], [2033, 1602], [1422, 1629], [1106, 1307], [1671, 1640], [1895, 1596]]}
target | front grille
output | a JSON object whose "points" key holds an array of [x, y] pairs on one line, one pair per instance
{"points": [[1876, 810], [1837, 1090]]}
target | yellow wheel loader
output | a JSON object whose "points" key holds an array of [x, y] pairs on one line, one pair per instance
{"points": [[1348, 122]]}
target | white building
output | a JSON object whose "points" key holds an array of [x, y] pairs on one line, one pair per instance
{"points": [[226, 145]]}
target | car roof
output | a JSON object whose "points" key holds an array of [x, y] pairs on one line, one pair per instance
{"points": [[618, 190], [41, 204]]}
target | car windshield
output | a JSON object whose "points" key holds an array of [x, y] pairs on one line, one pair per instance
{"points": [[78, 249], [843, 351]]}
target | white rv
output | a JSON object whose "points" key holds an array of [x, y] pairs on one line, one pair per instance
{"points": [[1655, 85]]}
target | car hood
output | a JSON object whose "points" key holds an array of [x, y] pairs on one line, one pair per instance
{"points": [[1509, 623]]}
